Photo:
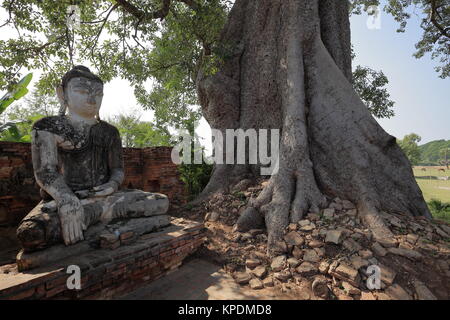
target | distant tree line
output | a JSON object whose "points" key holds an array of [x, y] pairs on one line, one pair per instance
{"points": [[433, 153]]}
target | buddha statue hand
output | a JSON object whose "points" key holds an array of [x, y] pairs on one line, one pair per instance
{"points": [[71, 214], [106, 189]]}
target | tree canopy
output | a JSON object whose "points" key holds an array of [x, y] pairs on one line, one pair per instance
{"points": [[434, 151], [410, 147], [167, 42], [139, 134]]}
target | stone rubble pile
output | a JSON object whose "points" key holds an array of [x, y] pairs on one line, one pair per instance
{"points": [[332, 252]]}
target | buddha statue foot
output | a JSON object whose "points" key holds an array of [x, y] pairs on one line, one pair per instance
{"points": [[41, 228]]}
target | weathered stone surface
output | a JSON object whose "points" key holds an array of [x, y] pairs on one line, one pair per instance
{"points": [[255, 232], [347, 205], [333, 236], [308, 227], [324, 266], [365, 254], [268, 282], [242, 277], [346, 273], [382, 296], [307, 269], [212, 216], [127, 235], [350, 289], [246, 236], [352, 212], [387, 274], [278, 263], [351, 245], [407, 253], [259, 271], [366, 295], [396, 292], [358, 262], [423, 293], [304, 222], [320, 288], [315, 244], [280, 247], [252, 263], [396, 222], [293, 263], [445, 228], [29, 260], [412, 238], [293, 238], [256, 284], [387, 242], [328, 213], [106, 274], [282, 275], [313, 216], [379, 250], [109, 237], [297, 253], [311, 256]]}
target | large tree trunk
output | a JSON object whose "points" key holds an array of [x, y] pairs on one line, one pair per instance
{"points": [[290, 69]]}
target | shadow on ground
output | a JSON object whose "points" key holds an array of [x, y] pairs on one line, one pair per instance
{"points": [[198, 279]]}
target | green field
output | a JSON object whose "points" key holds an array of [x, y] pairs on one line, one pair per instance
{"points": [[432, 188]]}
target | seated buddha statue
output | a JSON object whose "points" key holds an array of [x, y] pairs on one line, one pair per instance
{"points": [[78, 164]]}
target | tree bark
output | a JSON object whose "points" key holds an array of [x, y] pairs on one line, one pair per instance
{"points": [[290, 69]]}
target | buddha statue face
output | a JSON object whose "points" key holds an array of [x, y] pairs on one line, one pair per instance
{"points": [[84, 96], [81, 92]]}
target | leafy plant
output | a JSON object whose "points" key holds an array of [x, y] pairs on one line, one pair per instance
{"points": [[195, 177], [439, 210], [20, 117]]}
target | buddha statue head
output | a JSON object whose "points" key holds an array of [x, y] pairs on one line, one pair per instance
{"points": [[81, 92]]}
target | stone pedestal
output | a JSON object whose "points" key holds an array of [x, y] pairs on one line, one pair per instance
{"points": [[106, 273]]}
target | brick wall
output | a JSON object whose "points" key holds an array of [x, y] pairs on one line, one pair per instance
{"points": [[106, 274], [148, 169]]}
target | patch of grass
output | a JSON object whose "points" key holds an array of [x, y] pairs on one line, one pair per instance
{"points": [[432, 188], [440, 210]]}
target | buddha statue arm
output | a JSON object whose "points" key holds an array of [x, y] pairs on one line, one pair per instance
{"points": [[45, 162]]}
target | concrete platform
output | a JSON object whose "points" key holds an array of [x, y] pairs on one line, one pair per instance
{"points": [[198, 279]]}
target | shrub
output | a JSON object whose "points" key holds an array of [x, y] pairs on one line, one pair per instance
{"points": [[439, 210]]}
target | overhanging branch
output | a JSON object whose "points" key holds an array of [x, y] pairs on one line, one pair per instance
{"points": [[161, 13], [442, 30]]}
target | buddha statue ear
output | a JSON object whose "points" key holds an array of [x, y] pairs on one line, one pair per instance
{"points": [[62, 100]]}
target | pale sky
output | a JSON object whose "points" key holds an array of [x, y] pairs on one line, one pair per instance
{"points": [[422, 98]]}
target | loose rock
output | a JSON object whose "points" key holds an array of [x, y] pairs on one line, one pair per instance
{"points": [[256, 284], [278, 263], [333, 236]]}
